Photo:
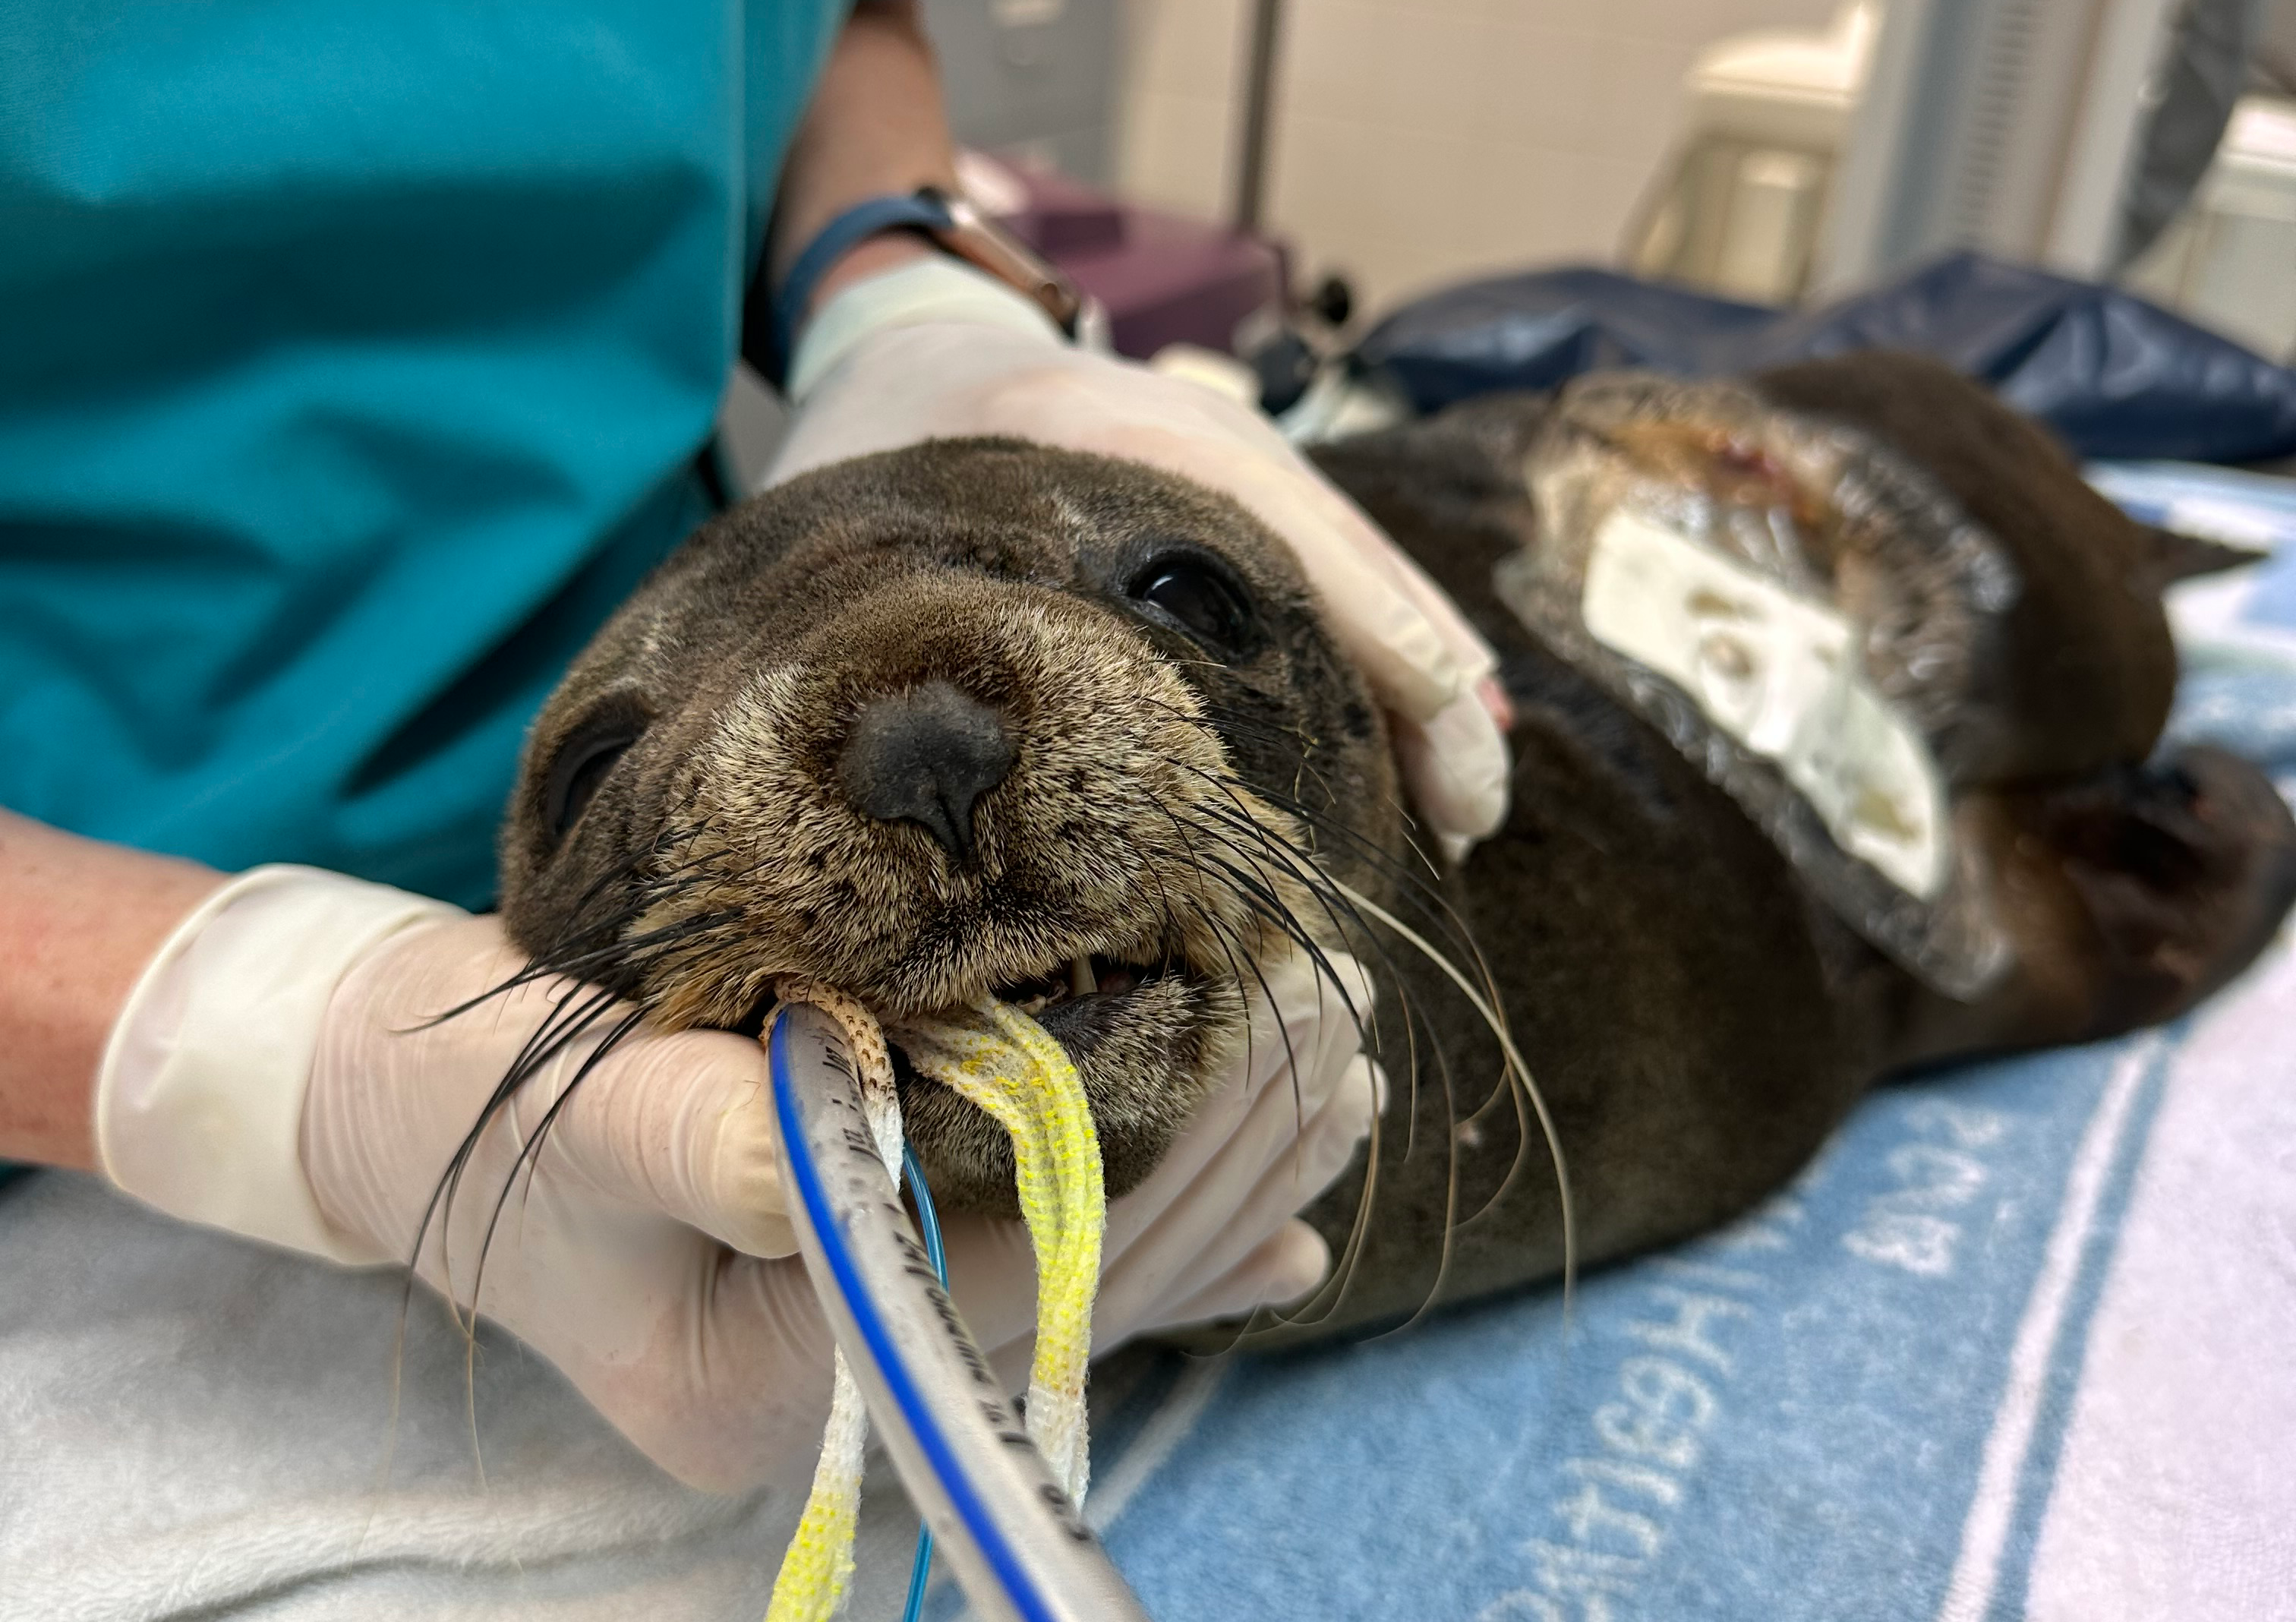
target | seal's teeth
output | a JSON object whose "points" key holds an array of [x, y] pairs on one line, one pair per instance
{"points": [[1080, 978]]}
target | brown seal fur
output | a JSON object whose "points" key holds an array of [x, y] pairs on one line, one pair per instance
{"points": [[709, 733], [1180, 768]]}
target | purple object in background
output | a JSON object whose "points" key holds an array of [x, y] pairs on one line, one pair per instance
{"points": [[1163, 278]]}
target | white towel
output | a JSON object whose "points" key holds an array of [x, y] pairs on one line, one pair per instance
{"points": [[195, 1426]]}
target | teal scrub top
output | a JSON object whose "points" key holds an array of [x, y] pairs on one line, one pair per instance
{"points": [[353, 358]]}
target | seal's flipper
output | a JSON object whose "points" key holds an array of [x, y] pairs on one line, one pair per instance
{"points": [[2131, 895], [2177, 556], [2182, 872]]}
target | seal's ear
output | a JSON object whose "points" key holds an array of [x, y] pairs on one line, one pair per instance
{"points": [[2175, 556]]}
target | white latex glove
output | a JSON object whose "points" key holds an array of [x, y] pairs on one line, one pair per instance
{"points": [[935, 350], [276, 1072]]}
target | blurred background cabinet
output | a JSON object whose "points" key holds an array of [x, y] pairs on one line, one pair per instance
{"points": [[1033, 78]]}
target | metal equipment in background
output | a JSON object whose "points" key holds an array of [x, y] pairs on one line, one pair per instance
{"points": [[2229, 259], [2009, 126], [1738, 208], [2105, 139]]}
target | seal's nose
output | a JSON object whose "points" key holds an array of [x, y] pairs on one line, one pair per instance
{"points": [[925, 757]]}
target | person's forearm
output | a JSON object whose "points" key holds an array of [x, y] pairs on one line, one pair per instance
{"points": [[876, 126], [79, 920]]}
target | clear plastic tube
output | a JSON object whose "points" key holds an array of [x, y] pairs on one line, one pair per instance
{"points": [[929, 1220], [1020, 1549]]}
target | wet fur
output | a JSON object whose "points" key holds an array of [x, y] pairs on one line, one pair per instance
{"points": [[1697, 1022]]}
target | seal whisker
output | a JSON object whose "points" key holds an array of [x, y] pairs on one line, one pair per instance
{"points": [[1345, 1265], [1366, 1200], [573, 1014], [1301, 867], [529, 1155], [1351, 1253], [1432, 904], [1529, 1083], [1513, 1071]]}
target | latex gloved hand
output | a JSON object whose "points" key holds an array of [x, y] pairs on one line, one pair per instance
{"points": [[280, 1071], [935, 350]]}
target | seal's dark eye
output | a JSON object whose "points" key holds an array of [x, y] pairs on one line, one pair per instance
{"points": [[1195, 596], [582, 765]]}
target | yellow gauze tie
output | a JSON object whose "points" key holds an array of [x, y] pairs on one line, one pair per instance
{"points": [[1002, 1062]]}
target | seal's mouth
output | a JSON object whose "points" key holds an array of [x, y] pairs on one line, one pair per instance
{"points": [[1144, 1037], [1077, 1004], [1085, 976], [1082, 1002]]}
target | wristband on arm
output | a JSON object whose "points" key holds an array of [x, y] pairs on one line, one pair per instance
{"points": [[950, 223]]}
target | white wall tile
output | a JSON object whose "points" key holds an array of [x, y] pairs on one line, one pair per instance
{"points": [[1189, 47], [1417, 141], [1538, 87], [1178, 152]]}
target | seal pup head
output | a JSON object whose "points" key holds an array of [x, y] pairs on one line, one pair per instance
{"points": [[972, 716]]}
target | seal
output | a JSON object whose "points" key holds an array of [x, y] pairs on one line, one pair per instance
{"points": [[980, 716], [972, 717]]}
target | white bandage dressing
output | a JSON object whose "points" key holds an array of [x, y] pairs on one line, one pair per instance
{"points": [[1782, 676], [199, 1105]]}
